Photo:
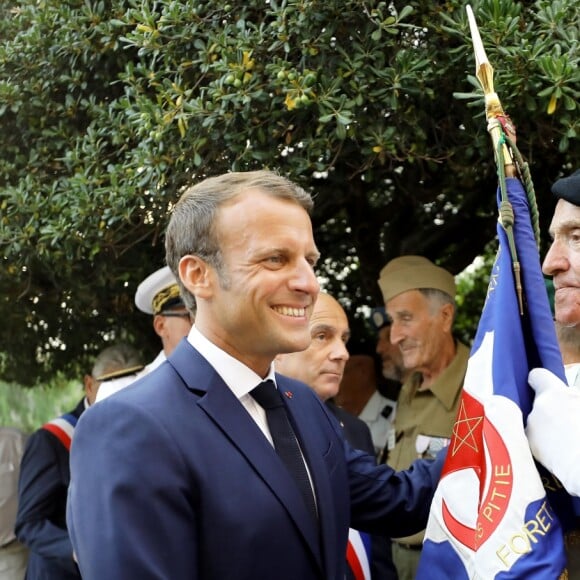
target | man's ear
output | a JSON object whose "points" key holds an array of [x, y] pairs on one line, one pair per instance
{"points": [[447, 314], [158, 324], [91, 388], [197, 276]]}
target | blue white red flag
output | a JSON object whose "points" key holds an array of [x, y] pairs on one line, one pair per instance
{"points": [[490, 518]]}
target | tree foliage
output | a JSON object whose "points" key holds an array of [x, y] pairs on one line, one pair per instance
{"points": [[108, 108]]}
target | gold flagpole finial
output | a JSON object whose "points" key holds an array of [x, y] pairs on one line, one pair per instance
{"points": [[493, 108]]}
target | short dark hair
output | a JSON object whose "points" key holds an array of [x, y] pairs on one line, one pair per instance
{"points": [[191, 228]]}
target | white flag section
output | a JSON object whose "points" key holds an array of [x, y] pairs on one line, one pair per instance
{"points": [[490, 518]]}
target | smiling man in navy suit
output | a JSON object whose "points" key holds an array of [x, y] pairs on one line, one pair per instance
{"points": [[178, 477]]}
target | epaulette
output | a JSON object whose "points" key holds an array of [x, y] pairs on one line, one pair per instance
{"points": [[62, 428]]}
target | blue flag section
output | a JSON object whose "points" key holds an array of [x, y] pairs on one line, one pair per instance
{"points": [[491, 518]]}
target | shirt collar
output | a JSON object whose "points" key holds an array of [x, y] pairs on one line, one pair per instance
{"points": [[237, 376], [449, 382]]}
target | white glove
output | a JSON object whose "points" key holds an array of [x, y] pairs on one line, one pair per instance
{"points": [[553, 428]]}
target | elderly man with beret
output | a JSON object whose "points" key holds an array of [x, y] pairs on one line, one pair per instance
{"points": [[553, 427], [553, 421], [420, 300]]}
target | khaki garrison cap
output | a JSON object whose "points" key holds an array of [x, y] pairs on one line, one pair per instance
{"points": [[413, 273]]}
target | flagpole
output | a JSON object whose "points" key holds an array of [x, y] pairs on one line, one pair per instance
{"points": [[499, 127], [476, 516], [494, 112]]}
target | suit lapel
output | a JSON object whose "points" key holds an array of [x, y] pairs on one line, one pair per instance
{"points": [[224, 409]]}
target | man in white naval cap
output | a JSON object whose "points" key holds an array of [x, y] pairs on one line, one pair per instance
{"points": [[159, 296]]}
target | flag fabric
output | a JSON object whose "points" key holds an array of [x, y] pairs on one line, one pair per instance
{"points": [[490, 517]]}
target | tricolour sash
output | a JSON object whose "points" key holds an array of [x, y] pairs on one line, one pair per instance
{"points": [[358, 554], [62, 428]]}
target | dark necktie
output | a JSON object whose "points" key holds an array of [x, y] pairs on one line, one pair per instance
{"points": [[285, 443]]}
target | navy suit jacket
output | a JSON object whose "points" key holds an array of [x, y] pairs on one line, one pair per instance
{"points": [[41, 518], [358, 434], [172, 479], [355, 430]]}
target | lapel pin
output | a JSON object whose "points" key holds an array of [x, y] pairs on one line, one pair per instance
{"points": [[288, 394]]}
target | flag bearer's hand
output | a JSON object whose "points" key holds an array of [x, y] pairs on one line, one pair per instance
{"points": [[553, 428]]}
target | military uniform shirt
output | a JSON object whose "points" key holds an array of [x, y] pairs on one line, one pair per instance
{"points": [[425, 419]]}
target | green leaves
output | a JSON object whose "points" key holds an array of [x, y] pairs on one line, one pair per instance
{"points": [[109, 108]]}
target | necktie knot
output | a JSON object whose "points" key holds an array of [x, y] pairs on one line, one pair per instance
{"points": [[267, 395]]}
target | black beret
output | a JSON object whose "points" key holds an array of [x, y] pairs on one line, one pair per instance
{"points": [[568, 188]]}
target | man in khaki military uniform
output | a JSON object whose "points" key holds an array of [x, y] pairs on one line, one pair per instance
{"points": [[420, 299]]}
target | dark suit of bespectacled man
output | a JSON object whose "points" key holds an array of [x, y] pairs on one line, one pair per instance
{"points": [[183, 481]]}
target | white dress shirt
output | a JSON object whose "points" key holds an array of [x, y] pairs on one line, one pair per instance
{"points": [[573, 375], [240, 379], [237, 376]]}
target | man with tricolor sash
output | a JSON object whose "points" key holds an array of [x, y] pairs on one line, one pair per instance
{"points": [[45, 476]]}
